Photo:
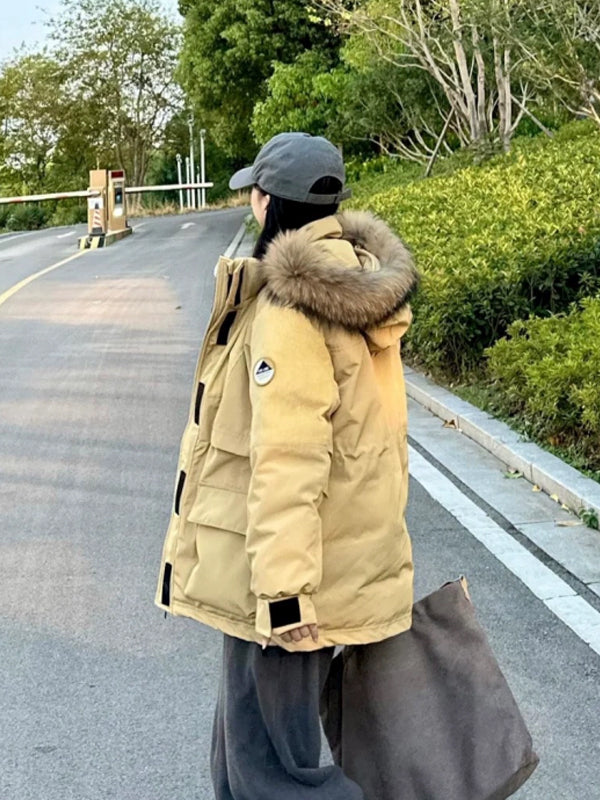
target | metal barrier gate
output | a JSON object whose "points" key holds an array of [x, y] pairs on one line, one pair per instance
{"points": [[107, 204]]}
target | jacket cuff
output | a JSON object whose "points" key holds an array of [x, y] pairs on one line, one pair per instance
{"points": [[274, 617]]}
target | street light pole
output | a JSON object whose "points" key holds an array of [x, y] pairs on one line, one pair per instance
{"points": [[192, 169], [188, 180], [178, 157], [202, 167]]}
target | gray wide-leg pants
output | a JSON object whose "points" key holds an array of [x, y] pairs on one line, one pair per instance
{"points": [[266, 736]]}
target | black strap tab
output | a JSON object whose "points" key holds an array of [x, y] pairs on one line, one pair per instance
{"points": [[223, 335], [165, 598], [285, 612], [199, 394], [179, 490], [238, 293]]}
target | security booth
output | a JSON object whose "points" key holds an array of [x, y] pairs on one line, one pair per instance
{"points": [[107, 209]]}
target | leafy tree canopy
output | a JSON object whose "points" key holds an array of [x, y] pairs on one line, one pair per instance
{"points": [[118, 63], [296, 99], [230, 48], [32, 100]]}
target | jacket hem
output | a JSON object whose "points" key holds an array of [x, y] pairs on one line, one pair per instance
{"points": [[328, 637]]}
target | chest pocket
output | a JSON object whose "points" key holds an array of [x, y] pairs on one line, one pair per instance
{"points": [[227, 462]]}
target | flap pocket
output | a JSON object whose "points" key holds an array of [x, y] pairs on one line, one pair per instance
{"points": [[220, 508], [230, 440], [231, 425]]}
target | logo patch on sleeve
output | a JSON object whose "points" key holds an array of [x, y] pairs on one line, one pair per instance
{"points": [[264, 372]]}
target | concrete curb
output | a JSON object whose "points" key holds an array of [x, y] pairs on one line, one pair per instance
{"points": [[237, 241], [538, 466]]}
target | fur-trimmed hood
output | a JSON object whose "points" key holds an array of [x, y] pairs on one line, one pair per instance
{"points": [[349, 270]]}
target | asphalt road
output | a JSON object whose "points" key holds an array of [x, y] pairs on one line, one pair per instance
{"points": [[100, 696], [22, 254]]}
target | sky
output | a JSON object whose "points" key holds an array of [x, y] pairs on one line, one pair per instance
{"points": [[23, 21]]}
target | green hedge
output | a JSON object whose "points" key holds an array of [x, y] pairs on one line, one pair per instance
{"points": [[517, 236], [33, 216], [547, 373], [23, 217]]}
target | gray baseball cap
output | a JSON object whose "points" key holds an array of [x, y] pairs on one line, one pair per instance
{"points": [[288, 166]]}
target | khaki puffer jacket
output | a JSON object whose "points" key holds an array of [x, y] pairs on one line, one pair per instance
{"points": [[292, 481]]}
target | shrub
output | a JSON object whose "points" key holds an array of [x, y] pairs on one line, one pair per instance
{"points": [[4, 214], [516, 236], [547, 372], [68, 212], [26, 217], [379, 174]]}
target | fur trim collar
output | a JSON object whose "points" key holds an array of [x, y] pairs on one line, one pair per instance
{"points": [[301, 273]]}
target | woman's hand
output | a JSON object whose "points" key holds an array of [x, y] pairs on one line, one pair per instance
{"points": [[297, 634]]}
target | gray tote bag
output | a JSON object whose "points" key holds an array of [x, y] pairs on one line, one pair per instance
{"points": [[427, 714]]}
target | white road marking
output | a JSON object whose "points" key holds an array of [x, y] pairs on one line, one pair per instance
{"points": [[14, 289], [64, 235], [187, 225], [141, 225], [555, 593]]}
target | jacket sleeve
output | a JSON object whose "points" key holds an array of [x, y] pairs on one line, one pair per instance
{"points": [[293, 395]]}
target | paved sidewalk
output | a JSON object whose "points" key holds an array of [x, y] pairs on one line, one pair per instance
{"points": [[557, 531], [538, 466]]}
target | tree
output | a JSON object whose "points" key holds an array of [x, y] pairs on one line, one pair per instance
{"points": [[561, 45], [396, 111], [355, 103], [461, 45], [118, 63], [32, 100], [296, 99], [163, 166], [230, 48]]}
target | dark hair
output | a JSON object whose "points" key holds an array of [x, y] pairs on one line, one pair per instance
{"points": [[287, 215]]}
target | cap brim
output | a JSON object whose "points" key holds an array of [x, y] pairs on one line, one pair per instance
{"points": [[242, 179]]}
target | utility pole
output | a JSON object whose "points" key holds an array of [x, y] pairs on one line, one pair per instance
{"points": [[188, 179], [179, 181], [192, 169], [202, 167]]}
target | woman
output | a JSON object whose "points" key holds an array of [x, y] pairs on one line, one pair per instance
{"points": [[288, 521]]}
